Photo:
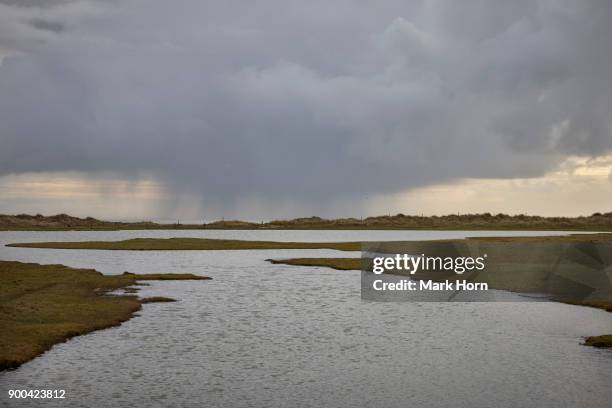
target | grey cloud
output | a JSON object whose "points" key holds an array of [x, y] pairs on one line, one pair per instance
{"points": [[35, 3], [47, 25], [310, 100]]}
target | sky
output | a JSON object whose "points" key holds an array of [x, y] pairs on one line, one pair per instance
{"points": [[196, 109]]}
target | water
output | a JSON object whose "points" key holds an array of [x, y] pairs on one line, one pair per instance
{"points": [[273, 335]]}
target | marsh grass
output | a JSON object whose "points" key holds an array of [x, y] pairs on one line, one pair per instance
{"points": [[604, 341], [170, 244], [342, 264], [42, 305], [157, 299]]}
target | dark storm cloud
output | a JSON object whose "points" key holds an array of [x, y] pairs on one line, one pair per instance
{"points": [[47, 25], [309, 100]]}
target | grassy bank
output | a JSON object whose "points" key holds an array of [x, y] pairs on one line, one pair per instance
{"points": [[168, 244], [486, 221], [42, 305]]}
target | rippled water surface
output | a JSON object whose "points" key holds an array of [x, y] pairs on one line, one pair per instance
{"points": [[268, 335]]}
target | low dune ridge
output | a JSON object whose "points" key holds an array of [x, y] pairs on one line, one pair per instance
{"points": [[485, 221]]}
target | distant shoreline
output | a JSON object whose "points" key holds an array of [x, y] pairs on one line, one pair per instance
{"points": [[597, 222], [211, 244]]}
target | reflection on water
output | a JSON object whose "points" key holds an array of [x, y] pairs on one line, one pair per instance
{"points": [[276, 335]]}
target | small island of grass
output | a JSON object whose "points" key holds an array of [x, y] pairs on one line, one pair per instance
{"points": [[341, 264], [183, 244], [42, 305]]}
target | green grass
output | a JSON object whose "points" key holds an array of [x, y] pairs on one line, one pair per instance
{"points": [[42, 305], [169, 244]]}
